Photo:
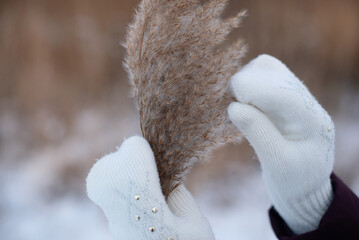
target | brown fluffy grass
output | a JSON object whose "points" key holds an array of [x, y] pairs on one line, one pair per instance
{"points": [[180, 81]]}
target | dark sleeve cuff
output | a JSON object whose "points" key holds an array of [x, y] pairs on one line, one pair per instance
{"points": [[340, 221]]}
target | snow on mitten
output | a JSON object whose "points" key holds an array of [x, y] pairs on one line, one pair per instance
{"points": [[292, 135], [126, 186]]}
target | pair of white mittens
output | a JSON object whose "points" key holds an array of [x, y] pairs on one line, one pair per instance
{"points": [[293, 137]]}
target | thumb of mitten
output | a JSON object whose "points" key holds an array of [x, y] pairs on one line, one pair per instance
{"points": [[181, 202], [257, 128], [194, 224]]}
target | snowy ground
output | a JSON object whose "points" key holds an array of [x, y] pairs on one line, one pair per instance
{"points": [[238, 208], [43, 195]]}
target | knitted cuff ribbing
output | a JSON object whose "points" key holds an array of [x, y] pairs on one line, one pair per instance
{"points": [[303, 213]]}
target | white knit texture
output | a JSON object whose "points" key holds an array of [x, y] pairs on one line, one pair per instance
{"points": [[125, 185], [292, 135]]}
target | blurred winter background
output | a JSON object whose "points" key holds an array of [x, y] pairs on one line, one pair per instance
{"points": [[64, 102]]}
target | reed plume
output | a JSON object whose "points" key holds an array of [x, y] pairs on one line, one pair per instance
{"points": [[180, 78]]}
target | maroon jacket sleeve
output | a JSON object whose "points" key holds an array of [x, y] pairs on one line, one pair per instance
{"points": [[340, 221]]}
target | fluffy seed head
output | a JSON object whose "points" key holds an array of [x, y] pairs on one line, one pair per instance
{"points": [[180, 81]]}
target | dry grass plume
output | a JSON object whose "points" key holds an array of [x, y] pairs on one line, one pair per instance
{"points": [[180, 80]]}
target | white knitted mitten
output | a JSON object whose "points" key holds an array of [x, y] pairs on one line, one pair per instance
{"points": [[125, 184], [293, 137]]}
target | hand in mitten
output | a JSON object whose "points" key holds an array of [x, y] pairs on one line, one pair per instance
{"points": [[292, 135], [125, 184]]}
